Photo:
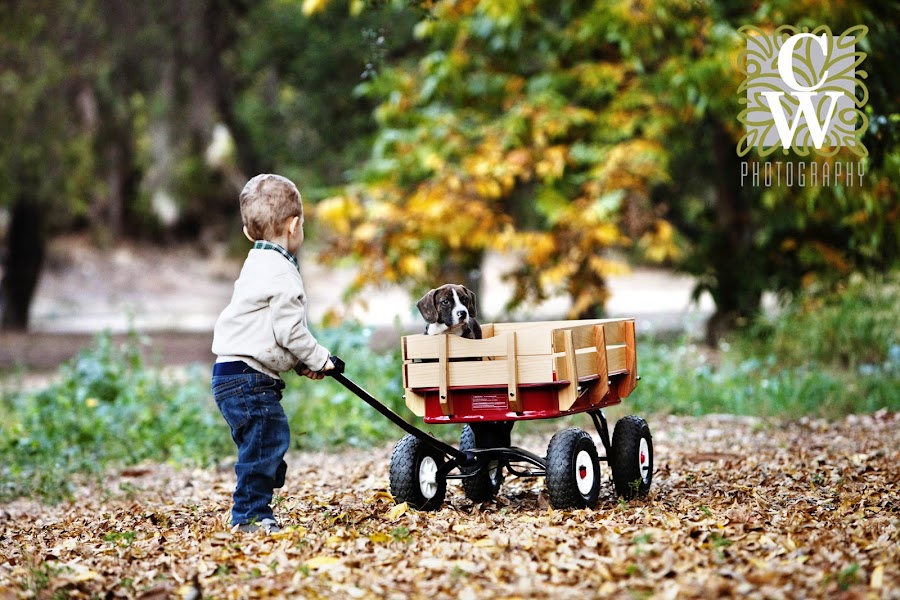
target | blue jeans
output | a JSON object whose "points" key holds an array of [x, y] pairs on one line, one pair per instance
{"points": [[251, 405]]}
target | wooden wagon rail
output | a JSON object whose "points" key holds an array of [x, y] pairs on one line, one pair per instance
{"points": [[569, 357]]}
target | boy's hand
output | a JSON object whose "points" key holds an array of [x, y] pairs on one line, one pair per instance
{"points": [[302, 369]]}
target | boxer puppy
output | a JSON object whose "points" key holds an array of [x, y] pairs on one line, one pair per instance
{"points": [[450, 309]]}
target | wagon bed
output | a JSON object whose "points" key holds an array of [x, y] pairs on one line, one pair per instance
{"points": [[519, 371]]}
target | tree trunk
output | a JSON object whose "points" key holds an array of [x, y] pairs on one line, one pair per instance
{"points": [[22, 265], [220, 22], [738, 282]]}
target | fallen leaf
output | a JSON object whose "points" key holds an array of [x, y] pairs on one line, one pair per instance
{"points": [[380, 538], [396, 511], [704, 530], [380, 495], [318, 562], [877, 579]]}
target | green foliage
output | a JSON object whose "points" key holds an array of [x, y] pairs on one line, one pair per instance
{"points": [[683, 380], [298, 76], [839, 355], [106, 408], [569, 128], [518, 130], [855, 327]]}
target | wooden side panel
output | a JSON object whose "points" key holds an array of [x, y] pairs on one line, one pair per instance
{"points": [[531, 369], [415, 402], [614, 332], [543, 352], [586, 361], [548, 325], [601, 388], [512, 370], [425, 347], [615, 358], [568, 394], [444, 375], [629, 382], [583, 335]]}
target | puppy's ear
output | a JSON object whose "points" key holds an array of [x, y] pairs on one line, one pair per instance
{"points": [[427, 307], [470, 302]]}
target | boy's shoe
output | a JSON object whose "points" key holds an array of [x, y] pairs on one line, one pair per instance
{"points": [[266, 525]]}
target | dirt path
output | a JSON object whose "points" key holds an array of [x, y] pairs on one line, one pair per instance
{"points": [[738, 508]]}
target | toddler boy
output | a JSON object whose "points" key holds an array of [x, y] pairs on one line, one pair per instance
{"points": [[261, 333]]}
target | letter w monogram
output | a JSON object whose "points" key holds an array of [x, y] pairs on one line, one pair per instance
{"points": [[806, 110]]}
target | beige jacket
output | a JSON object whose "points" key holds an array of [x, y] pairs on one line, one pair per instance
{"points": [[265, 325]]}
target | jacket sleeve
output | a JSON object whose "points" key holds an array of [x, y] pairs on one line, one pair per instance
{"points": [[289, 323]]}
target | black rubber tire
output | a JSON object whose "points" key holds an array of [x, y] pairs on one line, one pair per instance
{"points": [[625, 460], [485, 484], [564, 472], [406, 460]]}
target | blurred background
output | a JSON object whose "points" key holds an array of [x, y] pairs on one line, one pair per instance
{"points": [[562, 159]]}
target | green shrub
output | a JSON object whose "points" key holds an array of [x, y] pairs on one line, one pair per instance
{"points": [[682, 379], [855, 326], [105, 408], [827, 356]]}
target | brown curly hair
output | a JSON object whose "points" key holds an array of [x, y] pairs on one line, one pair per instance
{"points": [[267, 201]]}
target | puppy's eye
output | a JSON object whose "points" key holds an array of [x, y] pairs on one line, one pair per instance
{"points": [[445, 303]]}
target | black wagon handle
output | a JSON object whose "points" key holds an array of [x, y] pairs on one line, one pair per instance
{"points": [[339, 365], [338, 374]]}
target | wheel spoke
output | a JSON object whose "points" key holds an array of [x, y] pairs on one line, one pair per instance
{"points": [[428, 484]]}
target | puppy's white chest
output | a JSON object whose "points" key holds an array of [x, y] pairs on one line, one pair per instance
{"points": [[435, 329]]}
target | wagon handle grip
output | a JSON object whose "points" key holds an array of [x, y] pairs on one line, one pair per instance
{"points": [[339, 365]]}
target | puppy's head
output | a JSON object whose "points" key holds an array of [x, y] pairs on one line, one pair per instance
{"points": [[450, 305]]}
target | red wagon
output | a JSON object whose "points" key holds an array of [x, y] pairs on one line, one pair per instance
{"points": [[519, 371]]}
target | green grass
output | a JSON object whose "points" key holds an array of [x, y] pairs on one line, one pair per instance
{"points": [[108, 408], [689, 380], [105, 408], [825, 357]]}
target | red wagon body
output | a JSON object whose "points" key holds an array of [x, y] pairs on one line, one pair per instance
{"points": [[520, 371]]}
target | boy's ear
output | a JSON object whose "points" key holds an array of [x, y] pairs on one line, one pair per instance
{"points": [[247, 234], [294, 224]]}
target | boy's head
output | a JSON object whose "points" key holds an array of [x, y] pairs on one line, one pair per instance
{"points": [[267, 202]]}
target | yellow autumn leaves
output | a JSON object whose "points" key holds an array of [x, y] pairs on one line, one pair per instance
{"points": [[475, 156], [409, 233]]}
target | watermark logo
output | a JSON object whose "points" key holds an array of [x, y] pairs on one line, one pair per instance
{"points": [[800, 91]]}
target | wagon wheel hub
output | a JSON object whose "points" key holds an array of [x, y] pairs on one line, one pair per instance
{"points": [[644, 460], [584, 468], [428, 483]]}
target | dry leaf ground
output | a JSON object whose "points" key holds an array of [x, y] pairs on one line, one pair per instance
{"points": [[739, 507]]}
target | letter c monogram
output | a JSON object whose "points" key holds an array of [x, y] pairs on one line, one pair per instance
{"points": [[786, 63]]}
